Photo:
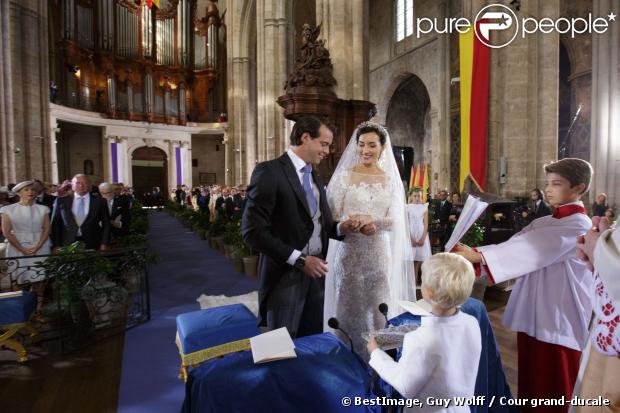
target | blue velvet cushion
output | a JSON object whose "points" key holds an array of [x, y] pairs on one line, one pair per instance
{"points": [[214, 326], [324, 372], [17, 309]]}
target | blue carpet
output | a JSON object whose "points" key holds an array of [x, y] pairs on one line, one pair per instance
{"points": [[187, 268]]}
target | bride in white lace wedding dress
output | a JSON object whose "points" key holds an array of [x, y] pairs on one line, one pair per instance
{"points": [[369, 267]]}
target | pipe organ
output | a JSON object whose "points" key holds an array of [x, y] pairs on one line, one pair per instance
{"points": [[131, 61]]}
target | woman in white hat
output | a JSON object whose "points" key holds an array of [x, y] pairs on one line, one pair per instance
{"points": [[26, 227]]}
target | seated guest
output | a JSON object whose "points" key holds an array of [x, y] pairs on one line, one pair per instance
{"points": [[600, 205], [81, 217], [440, 358]]}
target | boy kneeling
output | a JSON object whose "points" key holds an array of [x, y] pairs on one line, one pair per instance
{"points": [[440, 358]]}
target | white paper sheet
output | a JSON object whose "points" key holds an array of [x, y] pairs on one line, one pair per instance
{"points": [[472, 210], [420, 307], [272, 345]]}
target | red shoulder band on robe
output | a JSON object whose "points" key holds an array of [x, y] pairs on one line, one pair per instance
{"points": [[568, 210]]}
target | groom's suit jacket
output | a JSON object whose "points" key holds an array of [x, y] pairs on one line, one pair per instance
{"points": [[277, 220]]}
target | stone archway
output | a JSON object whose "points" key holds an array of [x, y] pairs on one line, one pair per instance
{"points": [[408, 120], [149, 168]]}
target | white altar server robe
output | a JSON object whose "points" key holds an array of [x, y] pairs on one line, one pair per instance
{"points": [[552, 298], [439, 360]]}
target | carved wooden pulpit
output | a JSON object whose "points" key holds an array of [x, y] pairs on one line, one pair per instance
{"points": [[310, 91]]}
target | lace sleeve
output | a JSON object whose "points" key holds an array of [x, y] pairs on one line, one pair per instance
{"points": [[335, 196], [383, 224]]}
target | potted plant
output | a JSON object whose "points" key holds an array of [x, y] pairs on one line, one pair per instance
{"points": [[216, 232], [236, 257], [250, 261], [232, 237], [81, 282]]}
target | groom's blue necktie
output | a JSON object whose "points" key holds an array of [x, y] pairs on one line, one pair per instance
{"points": [[307, 170]]}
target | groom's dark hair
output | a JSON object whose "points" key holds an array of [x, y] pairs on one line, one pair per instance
{"points": [[310, 124]]}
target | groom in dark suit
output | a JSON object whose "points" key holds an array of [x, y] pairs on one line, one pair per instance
{"points": [[81, 217], [288, 221]]}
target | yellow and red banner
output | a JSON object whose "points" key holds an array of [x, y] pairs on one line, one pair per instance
{"points": [[474, 65], [152, 3], [412, 176], [426, 183]]}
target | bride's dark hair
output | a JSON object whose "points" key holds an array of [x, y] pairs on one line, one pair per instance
{"points": [[366, 127]]}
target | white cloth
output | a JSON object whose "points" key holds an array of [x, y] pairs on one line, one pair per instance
{"points": [[368, 270], [439, 360], [27, 226], [605, 329], [415, 215], [607, 262], [552, 299], [250, 300]]}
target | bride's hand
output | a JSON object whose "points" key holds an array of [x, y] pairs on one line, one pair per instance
{"points": [[350, 226], [363, 219], [368, 229]]}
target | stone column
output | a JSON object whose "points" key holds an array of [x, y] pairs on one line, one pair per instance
{"points": [[53, 154], [523, 106], [229, 156], [272, 37], [123, 162], [7, 131], [107, 141], [186, 159], [345, 29], [605, 143], [172, 165]]}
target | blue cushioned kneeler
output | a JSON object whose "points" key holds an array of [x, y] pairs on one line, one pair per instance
{"points": [[214, 326], [17, 309]]}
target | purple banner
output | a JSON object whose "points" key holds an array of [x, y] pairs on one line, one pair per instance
{"points": [[114, 162], [178, 159]]}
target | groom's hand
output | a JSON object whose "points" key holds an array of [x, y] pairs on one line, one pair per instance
{"points": [[349, 226], [315, 267]]}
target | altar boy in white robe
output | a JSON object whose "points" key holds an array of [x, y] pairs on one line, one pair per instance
{"points": [[440, 358], [551, 303]]}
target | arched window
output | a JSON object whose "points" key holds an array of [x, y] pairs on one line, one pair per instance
{"points": [[404, 19]]}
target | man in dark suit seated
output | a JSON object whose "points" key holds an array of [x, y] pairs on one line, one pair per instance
{"points": [[443, 208], [81, 217]]}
